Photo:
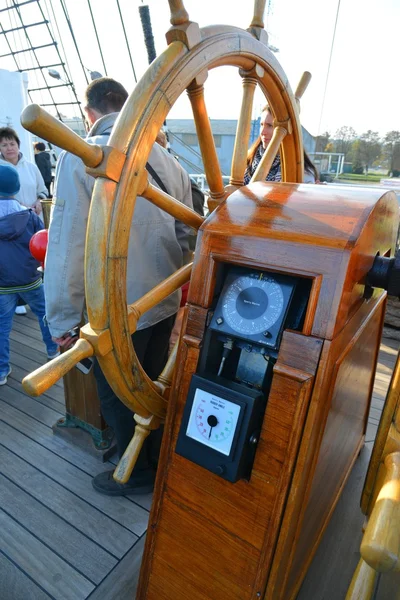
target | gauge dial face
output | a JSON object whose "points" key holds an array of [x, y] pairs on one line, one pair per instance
{"points": [[213, 421], [252, 303]]}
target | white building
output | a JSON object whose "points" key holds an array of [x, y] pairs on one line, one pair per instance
{"points": [[13, 99]]}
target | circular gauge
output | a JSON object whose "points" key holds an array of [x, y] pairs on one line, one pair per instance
{"points": [[252, 303], [213, 427]]}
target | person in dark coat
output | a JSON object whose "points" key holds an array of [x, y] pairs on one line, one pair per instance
{"points": [[19, 277], [43, 163]]}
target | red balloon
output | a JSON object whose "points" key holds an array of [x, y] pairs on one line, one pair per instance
{"points": [[38, 245]]}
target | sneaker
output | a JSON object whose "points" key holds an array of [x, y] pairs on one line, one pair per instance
{"points": [[50, 356], [3, 379], [20, 310], [140, 483]]}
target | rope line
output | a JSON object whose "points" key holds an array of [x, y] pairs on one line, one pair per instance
{"points": [[329, 68]]}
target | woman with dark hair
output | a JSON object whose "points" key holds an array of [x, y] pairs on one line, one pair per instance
{"points": [[32, 184], [258, 148]]}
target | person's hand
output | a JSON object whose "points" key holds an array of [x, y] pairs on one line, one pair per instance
{"points": [[37, 207], [66, 341]]}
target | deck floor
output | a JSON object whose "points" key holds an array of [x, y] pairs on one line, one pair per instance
{"points": [[60, 539]]}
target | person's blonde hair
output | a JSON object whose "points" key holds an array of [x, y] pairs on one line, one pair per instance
{"points": [[308, 164], [253, 148]]}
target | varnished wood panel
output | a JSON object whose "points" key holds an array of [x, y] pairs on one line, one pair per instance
{"points": [[243, 513], [312, 430], [338, 417], [81, 399]]}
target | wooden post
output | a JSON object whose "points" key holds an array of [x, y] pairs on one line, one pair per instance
{"points": [[83, 415]]}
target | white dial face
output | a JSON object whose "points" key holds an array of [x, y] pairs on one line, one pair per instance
{"points": [[213, 421], [252, 304]]}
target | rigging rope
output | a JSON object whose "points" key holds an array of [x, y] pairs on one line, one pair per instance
{"points": [[329, 68], [97, 37], [63, 60], [126, 41], [64, 7]]}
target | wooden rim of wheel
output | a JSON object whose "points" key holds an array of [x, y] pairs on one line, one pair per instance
{"points": [[390, 419], [113, 202]]}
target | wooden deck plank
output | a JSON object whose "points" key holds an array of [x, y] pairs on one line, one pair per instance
{"points": [[28, 364], [34, 353], [28, 327], [94, 524], [29, 342], [120, 509], [48, 400], [44, 436], [30, 322], [16, 585], [58, 535], [52, 573], [122, 581], [52, 395], [27, 405]]}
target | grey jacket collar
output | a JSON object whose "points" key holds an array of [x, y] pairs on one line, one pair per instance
{"points": [[103, 125]]}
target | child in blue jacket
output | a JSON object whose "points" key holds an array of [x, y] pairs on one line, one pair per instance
{"points": [[19, 277]]}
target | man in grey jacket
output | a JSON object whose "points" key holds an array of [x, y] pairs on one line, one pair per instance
{"points": [[158, 246]]}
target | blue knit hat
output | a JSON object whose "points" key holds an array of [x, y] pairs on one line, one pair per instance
{"points": [[9, 181]]}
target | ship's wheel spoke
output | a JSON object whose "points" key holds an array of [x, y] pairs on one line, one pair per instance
{"points": [[206, 141], [239, 158], [176, 209], [157, 294], [269, 155]]}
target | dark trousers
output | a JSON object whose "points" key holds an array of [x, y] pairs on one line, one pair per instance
{"points": [[48, 186], [151, 347]]}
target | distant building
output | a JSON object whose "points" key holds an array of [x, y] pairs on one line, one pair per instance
{"points": [[76, 124], [185, 144], [13, 100]]}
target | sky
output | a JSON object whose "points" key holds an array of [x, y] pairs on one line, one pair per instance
{"points": [[362, 90]]}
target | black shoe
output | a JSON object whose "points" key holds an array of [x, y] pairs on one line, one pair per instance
{"points": [[139, 483]]}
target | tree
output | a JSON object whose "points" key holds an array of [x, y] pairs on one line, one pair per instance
{"points": [[344, 138], [392, 151], [370, 148], [321, 141], [354, 155]]}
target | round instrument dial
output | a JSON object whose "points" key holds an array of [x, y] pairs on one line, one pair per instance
{"points": [[252, 304], [213, 428]]}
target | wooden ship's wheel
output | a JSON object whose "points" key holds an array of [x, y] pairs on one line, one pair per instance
{"points": [[120, 168], [380, 500], [280, 336]]}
